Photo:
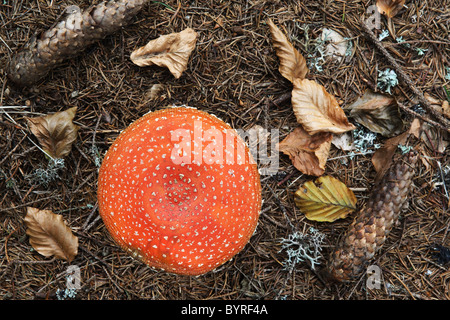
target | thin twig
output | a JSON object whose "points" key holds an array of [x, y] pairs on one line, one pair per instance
{"points": [[13, 150], [92, 223], [13, 262], [398, 69], [280, 100], [94, 209], [175, 14], [421, 117]]}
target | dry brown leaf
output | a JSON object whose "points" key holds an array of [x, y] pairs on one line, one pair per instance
{"points": [[446, 108], [326, 199], [337, 45], [56, 132], [390, 7], [415, 127], [308, 153], [378, 113], [382, 158], [292, 63], [317, 110], [219, 23], [432, 100], [343, 141], [171, 51], [435, 138], [440, 106], [49, 234]]}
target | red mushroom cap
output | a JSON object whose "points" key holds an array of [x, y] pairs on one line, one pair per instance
{"points": [[180, 190]]}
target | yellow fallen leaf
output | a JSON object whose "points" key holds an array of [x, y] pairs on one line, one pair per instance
{"points": [[390, 7], [326, 199], [171, 51], [317, 110], [56, 132], [308, 153], [292, 63], [49, 234]]}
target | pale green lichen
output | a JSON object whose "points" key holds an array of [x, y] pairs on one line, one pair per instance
{"points": [[404, 149], [66, 294], [387, 79], [95, 154], [401, 40], [363, 139], [420, 51], [303, 247], [44, 176], [383, 35]]}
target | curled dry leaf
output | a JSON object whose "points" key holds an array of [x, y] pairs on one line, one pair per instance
{"points": [[326, 199], [343, 141], [432, 100], [446, 108], [337, 45], [377, 112], [49, 234], [56, 132], [390, 7], [382, 158], [171, 51], [440, 106], [292, 63], [434, 138], [308, 153], [317, 110]]}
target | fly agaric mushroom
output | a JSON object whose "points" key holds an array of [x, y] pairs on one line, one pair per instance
{"points": [[180, 191]]}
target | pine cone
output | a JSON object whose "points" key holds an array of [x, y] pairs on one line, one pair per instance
{"points": [[369, 230], [68, 38]]}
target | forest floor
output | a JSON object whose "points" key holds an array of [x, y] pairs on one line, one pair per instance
{"points": [[233, 74]]}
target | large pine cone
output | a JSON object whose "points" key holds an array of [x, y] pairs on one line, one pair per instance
{"points": [[68, 38], [373, 223]]}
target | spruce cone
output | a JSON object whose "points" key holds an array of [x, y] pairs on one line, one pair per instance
{"points": [[373, 223], [69, 37]]}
